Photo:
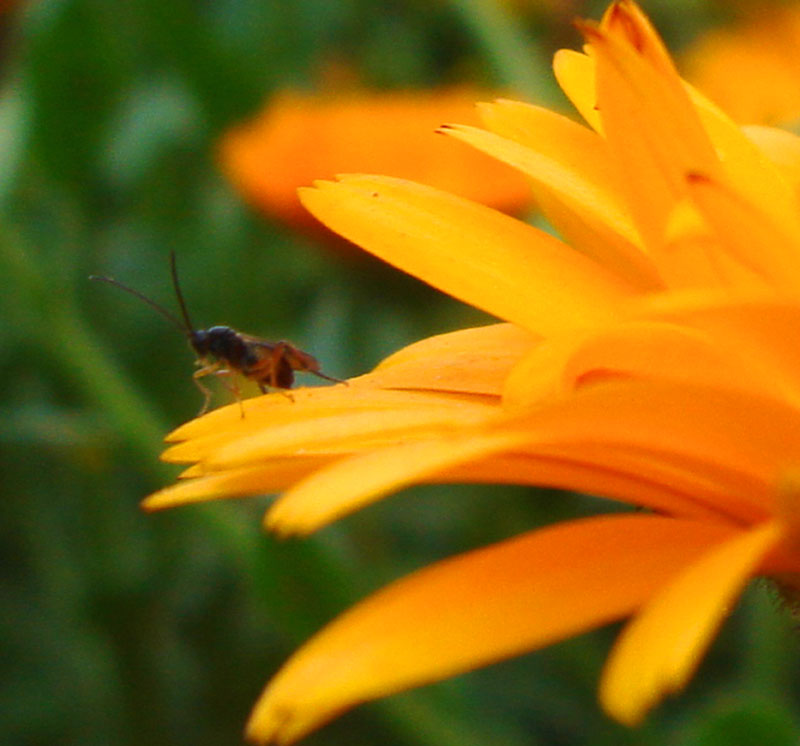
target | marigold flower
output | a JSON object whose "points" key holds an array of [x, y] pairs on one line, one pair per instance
{"points": [[649, 357], [298, 138], [752, 69]]}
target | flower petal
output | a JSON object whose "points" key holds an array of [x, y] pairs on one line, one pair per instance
{"points": [[592, 216], [199, 439], [349, 484], [474, 361], [744, 152], [575, 183], [340, 432], [782, 148], [267, 478], [658, 350], [750, 235], [298, 138], [751, 68], [682, 490], [662, 646], [625, 20], [757, 325], [739, 438], [687, 490], [748, 168], [499, 264], [652, 130], [477, 608], [576, 74]]}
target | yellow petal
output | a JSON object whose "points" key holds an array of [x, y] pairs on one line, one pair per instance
{"points": [[298, 138], [628, 43], [662, 646], [625, 20], [697, 258], [750, 236], [662, 351], [576, 74], [760, 327], [580, 159], [751, 68], [747, 167], [537, 375], [748, 436], [683, 490], [652, 130], [739, 149], [267, 478], [478, 255], [594, 207], [347, 431], [474, 609], [352, 483], [474, 361], [200, 438], [782, 148]]}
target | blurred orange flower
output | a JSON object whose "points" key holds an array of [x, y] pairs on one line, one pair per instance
{"points": [[752, 69], [298, 138], [649, 357]]}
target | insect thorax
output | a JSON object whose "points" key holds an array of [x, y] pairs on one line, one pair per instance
{"points": [[221, 342]]}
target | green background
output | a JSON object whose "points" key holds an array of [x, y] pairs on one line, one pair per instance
{"points": [[124, 628]]}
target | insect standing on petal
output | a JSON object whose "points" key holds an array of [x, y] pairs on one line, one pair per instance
{"points": [[223, 351]]}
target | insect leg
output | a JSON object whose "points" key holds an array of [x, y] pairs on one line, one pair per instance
{"points": [[214, 369], [320, 374], [267, 388], [204, 390], [231, 383]]}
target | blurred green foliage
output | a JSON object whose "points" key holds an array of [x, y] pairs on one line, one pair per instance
{"points": [[123, 628]]}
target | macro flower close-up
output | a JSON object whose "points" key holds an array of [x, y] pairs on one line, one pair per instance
{"points": [[645, 353]]}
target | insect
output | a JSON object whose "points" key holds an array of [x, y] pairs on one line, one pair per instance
{"points": [[223, 351]]}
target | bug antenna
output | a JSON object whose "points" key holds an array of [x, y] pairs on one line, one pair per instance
{"points": [[181, 302], [163, 311]]}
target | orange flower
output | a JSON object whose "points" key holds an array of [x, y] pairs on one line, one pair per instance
{"points": [[298, 138], [650, 357], [752, 69]]}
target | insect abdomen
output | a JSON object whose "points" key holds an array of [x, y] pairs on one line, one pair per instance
{"points": [[268, 369]]}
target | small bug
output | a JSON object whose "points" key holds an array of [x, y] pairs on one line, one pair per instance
{"points": [[223, 351]]}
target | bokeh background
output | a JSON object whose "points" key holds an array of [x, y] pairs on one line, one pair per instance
{"points": [[123, 628]]}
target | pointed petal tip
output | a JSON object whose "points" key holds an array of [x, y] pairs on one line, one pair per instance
{"points": [[162, 499], [274, 724], [182, 432], [282, 528], [629, 717], [151, 504], [176, 453], [168, 497], [660, 649], [590, 30]]}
